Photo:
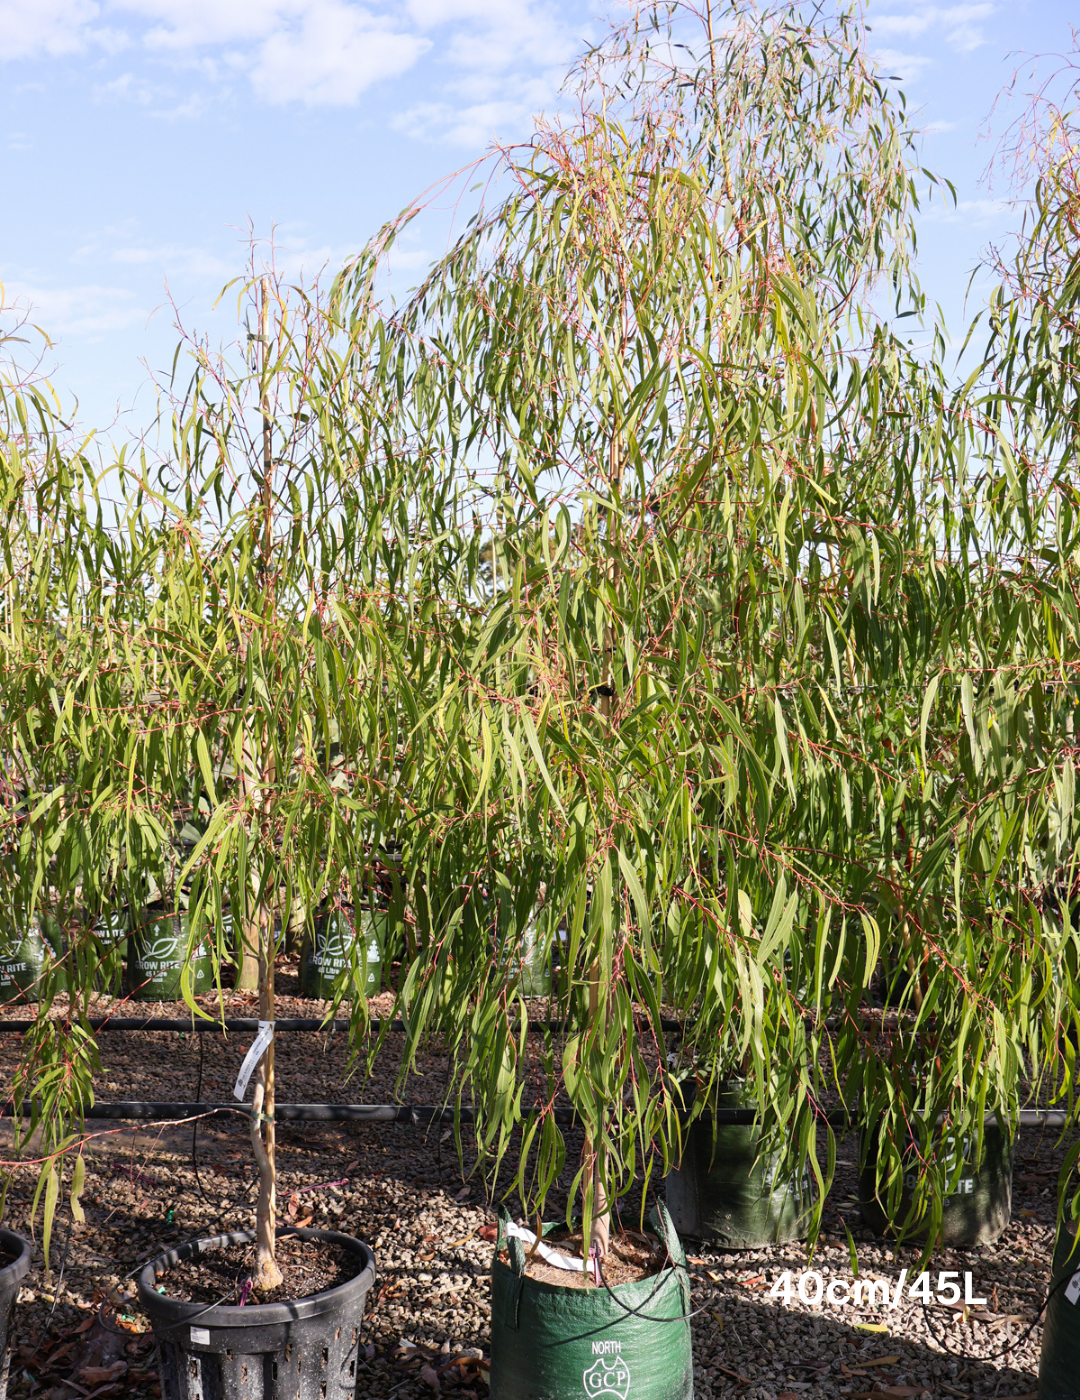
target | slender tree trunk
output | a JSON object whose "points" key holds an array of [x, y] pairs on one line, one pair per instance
{"points": [[249, 941], [247, 937], [600, 1230], [263, 1129]]}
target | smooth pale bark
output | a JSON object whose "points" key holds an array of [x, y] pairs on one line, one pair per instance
{"points": [[247, 973], [267, 1275], [600, 1230]]}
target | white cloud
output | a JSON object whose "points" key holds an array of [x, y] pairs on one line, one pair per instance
{"points": [[978, 212], [332, 56], [319, 52], [906, 66], [173, 260], [128, 88], [960, 24], [497, 34], [31, 27], [189, 24], [88, 311], [474, 125]]}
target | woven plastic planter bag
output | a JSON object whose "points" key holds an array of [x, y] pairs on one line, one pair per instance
{"points": [[629, 1342], [328, 950], [158, 954], [21, 969], [727, 1194], [1059, 1364], [530, 963], [976, 1211]]}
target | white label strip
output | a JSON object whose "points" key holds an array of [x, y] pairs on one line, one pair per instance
{"points": [[200, 1336], [252, 1058], [1072, 1288], [551, 1256]]}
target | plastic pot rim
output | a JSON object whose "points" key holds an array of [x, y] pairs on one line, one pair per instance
{"points": [[252, 1314], [23, 1250]]}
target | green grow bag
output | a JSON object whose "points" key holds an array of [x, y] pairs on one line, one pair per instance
{"points": [[327, 952], [158, 954], [725, 1193], [111, 931], [552, 1343], [534, 978], [530, 963], [976, 1211], [22, 968], [1059, 1363]]}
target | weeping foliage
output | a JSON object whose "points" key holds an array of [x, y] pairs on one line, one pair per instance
{"points": [[633, 600], [760, 707]]}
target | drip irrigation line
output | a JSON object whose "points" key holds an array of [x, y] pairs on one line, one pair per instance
{"points": [[243, 1024], [238, 1024], [417, 1115], [420, 1115], [1009, 1346], [165, 1327], [639, 1311]]}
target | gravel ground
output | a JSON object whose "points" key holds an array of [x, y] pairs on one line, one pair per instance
{"points": [[401, 1189]]}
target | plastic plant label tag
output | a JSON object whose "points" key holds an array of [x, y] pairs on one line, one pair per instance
{"points": [[549, 1255], [252, 1058], [200, 1336], [1072, 1289]]}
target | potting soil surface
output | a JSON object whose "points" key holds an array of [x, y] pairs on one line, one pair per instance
{"points": [[224, 1275], [628, 1260], [426, 1326]]}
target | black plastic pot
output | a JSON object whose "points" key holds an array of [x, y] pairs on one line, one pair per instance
{"points": [[976, 1211], [158, 954], [726, 1192], [10, 1278], [306, 1350], [1059, 1363], [630, 1342]]}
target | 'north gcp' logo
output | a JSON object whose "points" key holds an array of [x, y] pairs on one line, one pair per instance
{"points": [[607, 1380]]}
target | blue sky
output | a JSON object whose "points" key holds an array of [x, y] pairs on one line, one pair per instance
{"points": [[143, 138]]}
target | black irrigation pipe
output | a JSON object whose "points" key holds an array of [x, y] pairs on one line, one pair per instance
{"points": [[244, 1024], [231, 1023], [419, 1115]]}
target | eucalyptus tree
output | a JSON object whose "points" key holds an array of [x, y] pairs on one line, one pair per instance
{"points": [[72, 825], [714, 485], [234, 654], [1021, 519], [293, 543]]}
